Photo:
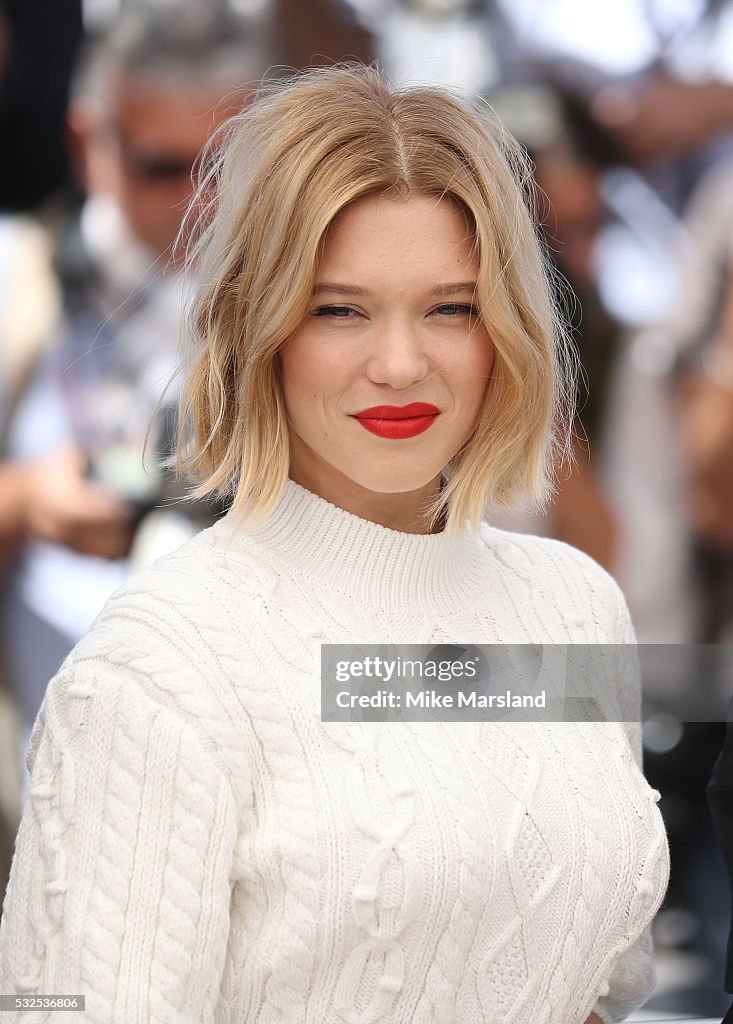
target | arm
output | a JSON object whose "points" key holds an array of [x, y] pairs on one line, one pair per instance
{"points": [[664, 117], [581, 512], [50, 499], [44, 491], [633, 978], [119, 888], [13, 487], [707, 435]]}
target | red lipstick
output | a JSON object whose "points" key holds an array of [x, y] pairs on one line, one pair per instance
{"points": [[398, 421]]}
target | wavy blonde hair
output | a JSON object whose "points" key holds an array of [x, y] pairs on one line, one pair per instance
{"points": [[291, 161]]}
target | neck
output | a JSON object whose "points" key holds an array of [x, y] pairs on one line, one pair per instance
{"points": [[403, 511], [379, 567]]}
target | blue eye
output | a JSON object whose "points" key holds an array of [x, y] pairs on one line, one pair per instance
{"points": [[340, 312]]}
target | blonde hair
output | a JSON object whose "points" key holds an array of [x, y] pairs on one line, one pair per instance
{"points": [[301, 152]]}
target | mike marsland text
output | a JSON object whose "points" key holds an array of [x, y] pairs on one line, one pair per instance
{"points": [[435, 699]]}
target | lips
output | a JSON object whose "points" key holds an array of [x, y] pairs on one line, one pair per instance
{"points": [[398, 421]]}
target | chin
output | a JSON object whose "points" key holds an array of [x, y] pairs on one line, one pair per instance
{"points": [[395, 483]]}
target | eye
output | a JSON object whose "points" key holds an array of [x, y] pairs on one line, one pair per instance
{"points": [[456, 309], [339, 312]]}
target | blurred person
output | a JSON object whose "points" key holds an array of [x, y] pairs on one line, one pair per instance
{"points": [[572, 213], [378, 358], [582, 514], [147, 99], [705, 369], [670, 454], [655, 78], [650, 86], [681, 371], [28, 309], [313, 32]]}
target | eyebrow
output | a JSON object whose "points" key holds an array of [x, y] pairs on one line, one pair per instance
{"points": [[459, 287]]}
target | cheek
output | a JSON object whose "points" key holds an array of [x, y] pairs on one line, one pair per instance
{"points": [[478, 369], [486, 357], [312, 370], [303, 378]]}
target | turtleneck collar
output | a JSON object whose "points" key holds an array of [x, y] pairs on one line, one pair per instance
{"points": [[404, 573]]}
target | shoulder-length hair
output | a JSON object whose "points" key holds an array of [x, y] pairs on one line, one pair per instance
{"points": [[302, 151]]}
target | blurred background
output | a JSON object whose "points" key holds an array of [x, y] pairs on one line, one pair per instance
{"points": [[626, 108]]}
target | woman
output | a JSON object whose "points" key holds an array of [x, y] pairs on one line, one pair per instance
{"points": [[199, 845]]}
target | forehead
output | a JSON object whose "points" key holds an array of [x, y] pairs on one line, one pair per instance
{"points": [[420, 234], [168, 114]]}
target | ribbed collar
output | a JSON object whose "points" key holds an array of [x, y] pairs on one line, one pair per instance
{"points": [[404, 573]]}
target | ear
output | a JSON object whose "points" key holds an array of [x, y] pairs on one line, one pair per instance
{"points": [[88, 142], [78, 129]]}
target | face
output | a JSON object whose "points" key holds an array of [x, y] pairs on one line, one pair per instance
{"points": [[573, 189], [391, 324], [146, 155]]}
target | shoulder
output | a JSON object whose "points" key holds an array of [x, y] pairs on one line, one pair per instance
{"points": [[177, 620], [166, 639], [543, 556], [572, 581], [190, 589]]}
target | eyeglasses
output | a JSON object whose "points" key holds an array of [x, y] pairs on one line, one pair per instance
{"points": [[158, 168]]}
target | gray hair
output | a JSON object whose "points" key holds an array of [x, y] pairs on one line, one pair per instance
{"points": [[182, 45]]}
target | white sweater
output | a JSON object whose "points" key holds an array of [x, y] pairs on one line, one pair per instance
{"points": [[199, 846]]}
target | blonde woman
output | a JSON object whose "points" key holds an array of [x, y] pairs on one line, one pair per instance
{"points": [[378, 363]]}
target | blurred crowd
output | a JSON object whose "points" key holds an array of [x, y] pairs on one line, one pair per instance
{"points": [[626, 107]]}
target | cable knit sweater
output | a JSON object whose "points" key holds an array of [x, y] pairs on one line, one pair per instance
{"points": [[199, 846]]}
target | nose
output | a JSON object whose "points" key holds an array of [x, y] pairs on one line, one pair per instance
{"points": [[398, 355]]}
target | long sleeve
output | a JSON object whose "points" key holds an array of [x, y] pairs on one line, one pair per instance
{"points": [[633, 978], [120, 884], [200, 847]]}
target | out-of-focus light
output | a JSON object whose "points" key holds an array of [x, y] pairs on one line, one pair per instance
{"points": [[371, 10], [249, 8], [673, 16], [615, 37], [99, 15], [439, 8], [454, 54], [661, 733]]}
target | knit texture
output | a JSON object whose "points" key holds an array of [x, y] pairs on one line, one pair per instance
{"points": [[198, 846]]}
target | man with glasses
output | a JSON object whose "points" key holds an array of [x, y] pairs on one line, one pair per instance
{"points": [[144, 103]]}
